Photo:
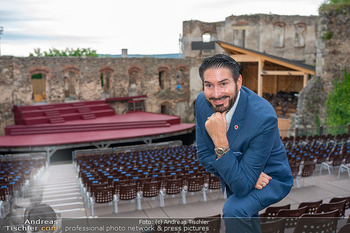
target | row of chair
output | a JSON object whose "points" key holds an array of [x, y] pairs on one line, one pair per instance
{"points": [[130, 190], [15, 177], [14, 174], [143, 174], [278, 218], [297, 140], [313, 223]]}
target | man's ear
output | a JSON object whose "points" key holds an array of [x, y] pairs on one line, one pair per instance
{"points": [[239, 83]]}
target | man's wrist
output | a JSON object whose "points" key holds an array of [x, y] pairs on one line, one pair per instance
{"points": [[219, 151], [221, 144]]}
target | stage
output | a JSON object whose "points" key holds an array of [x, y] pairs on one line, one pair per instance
{"points": [[99, 132]]}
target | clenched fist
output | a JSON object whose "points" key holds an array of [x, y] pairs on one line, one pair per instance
{"points": [[216, 127]]}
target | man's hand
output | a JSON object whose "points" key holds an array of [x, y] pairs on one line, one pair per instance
{"points": [[262, 181], [216, 127]]}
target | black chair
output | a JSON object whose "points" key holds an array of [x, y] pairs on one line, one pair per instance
{"points": [[276, 226], [319, 222], [338, 199], [214, 184], [327, 207], [151, 190], [102, 195], [175, 187], [196, 184], [345, 229], [311, 206], [292, 216], [128, 192], [306, 171], [271, 212], [213, 223]]}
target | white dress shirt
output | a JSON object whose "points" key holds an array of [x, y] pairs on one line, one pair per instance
{"points": [[230, 113]]}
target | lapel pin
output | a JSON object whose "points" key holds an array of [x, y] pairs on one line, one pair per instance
{"points": [[236, 127]]}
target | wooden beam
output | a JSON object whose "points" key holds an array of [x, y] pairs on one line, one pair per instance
{"points": [[305, 80], [282, 72], [244, 58], [231, 49], [260, 81]]}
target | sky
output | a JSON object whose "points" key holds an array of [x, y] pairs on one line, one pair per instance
{"points": [[108, 26]]}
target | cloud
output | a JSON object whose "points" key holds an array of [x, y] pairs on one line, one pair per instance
{"points": [[24, 37]]}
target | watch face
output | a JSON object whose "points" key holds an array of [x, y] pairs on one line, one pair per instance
{"points": [[219, 151]]}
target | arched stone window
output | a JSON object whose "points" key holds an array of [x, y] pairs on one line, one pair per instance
{"points": [[278, 34], [164, 108], [206, 37], [38, 78], [300, 30], [163, 79], [106, 77], [134, 88], [179, 80], [239, 34], [70, 85], [180, 70]]}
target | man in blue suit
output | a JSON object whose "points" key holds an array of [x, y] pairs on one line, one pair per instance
{"points": [[238, 141]]}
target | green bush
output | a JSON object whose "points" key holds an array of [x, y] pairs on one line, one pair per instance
{"points": [[338, 102]]}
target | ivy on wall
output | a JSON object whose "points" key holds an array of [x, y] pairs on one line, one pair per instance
{"points": [[338, 102]]}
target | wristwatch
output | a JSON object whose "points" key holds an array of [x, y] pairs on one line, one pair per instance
{"points": [[221, 151]]}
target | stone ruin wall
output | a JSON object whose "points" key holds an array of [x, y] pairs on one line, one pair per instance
{"points": [[16, 87], [333, 56], [260, 33]]}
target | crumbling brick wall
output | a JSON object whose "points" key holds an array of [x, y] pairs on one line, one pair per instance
{"points": [[17, 89]]}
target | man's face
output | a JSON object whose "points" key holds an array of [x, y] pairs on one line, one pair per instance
{"points": [[220, 89]]}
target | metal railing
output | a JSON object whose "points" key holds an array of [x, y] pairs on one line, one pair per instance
{"points": [[322, 130]]}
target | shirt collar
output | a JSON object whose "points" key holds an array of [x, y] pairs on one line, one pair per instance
{"points": [[230, 113]]}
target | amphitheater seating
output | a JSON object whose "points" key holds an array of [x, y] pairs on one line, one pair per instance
{"points": [[172, 168], [283, 102], [15, 176]]}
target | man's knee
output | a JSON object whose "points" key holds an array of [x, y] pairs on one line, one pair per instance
{"points": [[234, 209]]}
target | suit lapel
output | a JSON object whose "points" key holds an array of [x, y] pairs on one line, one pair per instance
{"points": [[238, 117]]}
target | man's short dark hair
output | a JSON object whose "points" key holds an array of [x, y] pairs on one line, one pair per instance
{"points": [[220, 61]]}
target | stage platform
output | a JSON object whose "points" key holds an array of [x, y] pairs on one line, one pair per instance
{"points": [[102, 131]]}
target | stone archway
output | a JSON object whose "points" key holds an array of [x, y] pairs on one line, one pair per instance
{"points": [[106, 80], [135, 85], [38, 78], [70, 84]]}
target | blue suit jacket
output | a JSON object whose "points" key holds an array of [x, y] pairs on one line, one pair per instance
{"points": [[255, 147]]}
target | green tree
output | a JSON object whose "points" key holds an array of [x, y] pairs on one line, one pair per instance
{"points": [[337, 1], [338, 102], [87, 52]]}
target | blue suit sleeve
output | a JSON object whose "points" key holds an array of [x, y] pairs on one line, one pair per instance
{"points": [[203, 153], [241, 176], [205, 157]]}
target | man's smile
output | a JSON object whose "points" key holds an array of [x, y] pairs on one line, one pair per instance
{"points": [[219, 101]]}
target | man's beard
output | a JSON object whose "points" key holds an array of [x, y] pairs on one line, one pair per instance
{"points": [[220, 108]]}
